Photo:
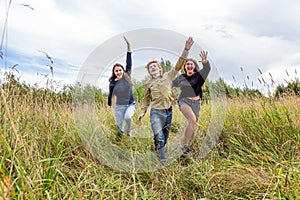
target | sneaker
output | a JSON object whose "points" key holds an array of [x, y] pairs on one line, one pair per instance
{"points": [[185, 150]]}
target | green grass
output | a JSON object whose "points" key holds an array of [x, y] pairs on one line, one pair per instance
{"points": [[257, 156]]}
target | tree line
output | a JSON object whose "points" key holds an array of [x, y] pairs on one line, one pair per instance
{"points": [[68, 92]]}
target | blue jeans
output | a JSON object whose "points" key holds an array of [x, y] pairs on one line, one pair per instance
{"points": [[124, 113], [161, 123]]}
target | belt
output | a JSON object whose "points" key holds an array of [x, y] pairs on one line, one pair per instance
{"points": [[167, 109]]}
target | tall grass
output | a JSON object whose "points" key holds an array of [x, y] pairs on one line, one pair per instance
{"points": [[43, 157]]}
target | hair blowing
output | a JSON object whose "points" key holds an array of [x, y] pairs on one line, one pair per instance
{"points": [[195, 63], [125, 75]]}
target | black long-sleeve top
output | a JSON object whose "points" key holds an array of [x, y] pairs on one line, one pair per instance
{"points": [[191, 85]]}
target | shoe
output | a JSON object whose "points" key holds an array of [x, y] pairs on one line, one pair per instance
{"points": [[185, 150], [119, 136]]}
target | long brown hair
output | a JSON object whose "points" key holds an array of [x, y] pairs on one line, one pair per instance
{"points": [[126, 76]]}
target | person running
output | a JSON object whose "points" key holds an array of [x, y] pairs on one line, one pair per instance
{"points": [[158, 96], [120, 85], [191, 83]]}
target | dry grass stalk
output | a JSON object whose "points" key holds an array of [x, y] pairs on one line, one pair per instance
{"points": [[6, 186]]}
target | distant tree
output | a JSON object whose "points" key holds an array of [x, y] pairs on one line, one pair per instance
{"points": [[219, 87], [166, 65], [251, 93], [292, 88], [139, 90]]}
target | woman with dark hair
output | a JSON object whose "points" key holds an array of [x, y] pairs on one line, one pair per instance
{"points": [[120, 85], [191, 84]]}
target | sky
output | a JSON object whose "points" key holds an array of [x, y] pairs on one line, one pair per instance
{"points": [[246, 40]]}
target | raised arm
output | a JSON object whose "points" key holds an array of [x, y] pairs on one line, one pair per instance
{"points": [[128, 57], [206, 66], [189, 43], [128, 44], [181, 61], [203, 55]]}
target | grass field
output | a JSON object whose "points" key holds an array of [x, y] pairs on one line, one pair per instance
{"points": [[43, 155]]}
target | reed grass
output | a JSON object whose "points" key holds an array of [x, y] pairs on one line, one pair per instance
{"points": [[43, 157]]}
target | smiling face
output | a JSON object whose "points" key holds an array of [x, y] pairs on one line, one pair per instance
{"points": [[190, 67], [118, 71], [154, 69]]}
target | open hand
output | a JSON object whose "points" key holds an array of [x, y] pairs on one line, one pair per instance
{"points": [[189, 43], [203, 55], [128, 44]]}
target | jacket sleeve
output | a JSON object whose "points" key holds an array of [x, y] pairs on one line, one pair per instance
{"points": [[205, 70], [146, 100], [111, 89], [179, 64], [175, 83], [128, 63]]}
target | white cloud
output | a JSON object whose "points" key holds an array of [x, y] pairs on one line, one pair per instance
{"points": [[248, 34]]}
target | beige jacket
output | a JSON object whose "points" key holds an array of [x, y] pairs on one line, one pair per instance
{"points": [[158, 92]]}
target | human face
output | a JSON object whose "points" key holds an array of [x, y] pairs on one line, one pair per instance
{"points": [[118, 72], [189, 67], [154, 70]]}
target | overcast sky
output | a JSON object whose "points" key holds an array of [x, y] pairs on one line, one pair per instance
{"points": [[238, 34]]}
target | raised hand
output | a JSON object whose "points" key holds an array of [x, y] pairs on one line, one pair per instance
{"points": [[189, 43], [128, 44], [203, 55]]}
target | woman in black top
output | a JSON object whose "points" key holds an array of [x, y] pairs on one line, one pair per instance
{"points": [[120, 85], [191, 83]]}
